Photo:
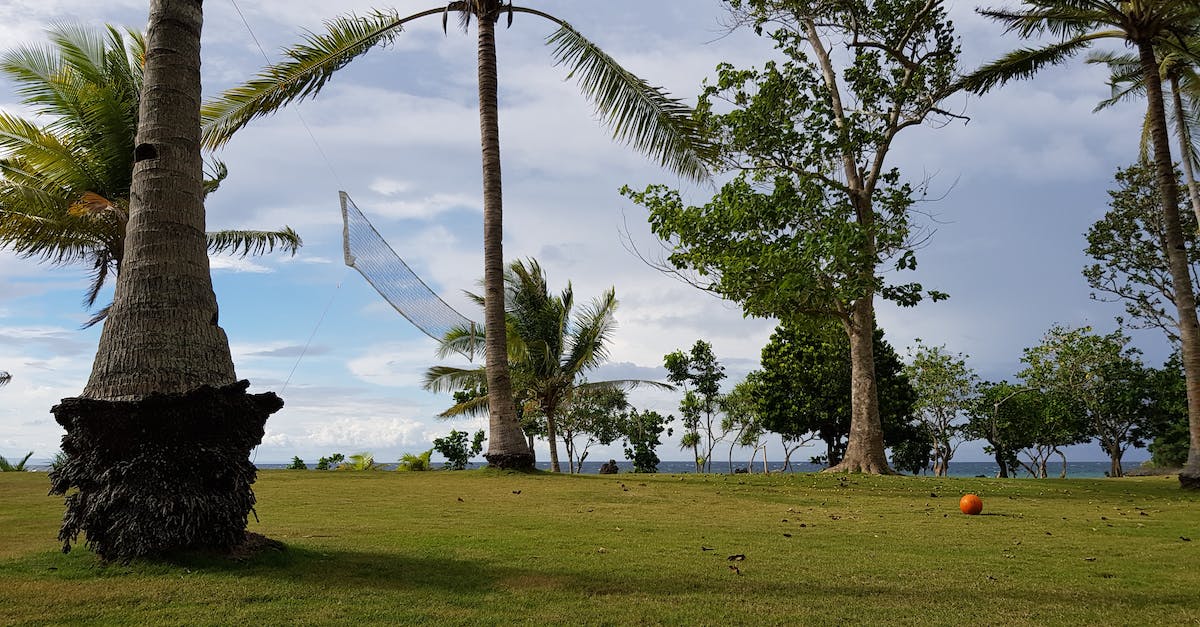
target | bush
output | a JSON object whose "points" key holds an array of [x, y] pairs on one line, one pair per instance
{"points": [[455, 449], [415, 463], [298, 464]]}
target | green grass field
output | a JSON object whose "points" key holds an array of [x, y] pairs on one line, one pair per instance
{"points": [[481, 547]]}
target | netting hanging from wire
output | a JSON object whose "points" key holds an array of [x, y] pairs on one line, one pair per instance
{"points": [[367, 252]]}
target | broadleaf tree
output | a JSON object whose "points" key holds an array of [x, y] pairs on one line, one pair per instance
{"points": [[945, 387], [638, 113], [815, 221]]}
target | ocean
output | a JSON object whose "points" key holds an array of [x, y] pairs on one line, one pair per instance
{"points": [[1075, 470]]}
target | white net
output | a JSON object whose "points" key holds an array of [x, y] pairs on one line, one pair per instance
{"points": [[367, 252]]}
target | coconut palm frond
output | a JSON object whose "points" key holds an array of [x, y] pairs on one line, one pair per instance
{"points": [[256, 243], [624, 385], [215, 172], [639, 114], [591, 333], [448, 378], [477, 406], [308, 67], [62, 240], [1023, 63], [5, 377], [7, 466]]}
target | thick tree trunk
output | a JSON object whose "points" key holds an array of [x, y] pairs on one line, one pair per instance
{"points": [[1115, 454], [1000, 462], [157, 447], [161, 335], [506, 447], [1181, 279], [1185, 149], [864, 451]]}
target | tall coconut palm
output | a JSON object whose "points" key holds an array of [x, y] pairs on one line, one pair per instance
{"points": [[156, 454], [64, 185], [638, 113], [549, 349], [1145, 25], [1179, 70]]}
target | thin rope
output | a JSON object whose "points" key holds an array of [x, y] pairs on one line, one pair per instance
{"points": [[303, 122]]}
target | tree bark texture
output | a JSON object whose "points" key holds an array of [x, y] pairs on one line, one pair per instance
{"points": [[506, 446], [1181, 279], [864, 451], [165, 473], [161, 334], [157, 445], [1189, 175]]}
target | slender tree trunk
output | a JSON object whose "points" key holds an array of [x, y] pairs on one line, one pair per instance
{"points": [[1181, 279], [1185, 148], [506, 447], [864, 451], [550, 409], [1063, 474]]}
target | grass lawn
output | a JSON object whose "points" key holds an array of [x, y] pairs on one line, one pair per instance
{"points": [[482, 547]]}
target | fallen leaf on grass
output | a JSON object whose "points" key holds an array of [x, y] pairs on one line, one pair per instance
{"points": [[737, 558]]}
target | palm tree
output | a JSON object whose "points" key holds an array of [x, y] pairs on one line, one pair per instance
{"points": [[549, 350], [1146, 25], [64, 191], [1178, 70], [156, 454], [5, 377], [638, 113]]}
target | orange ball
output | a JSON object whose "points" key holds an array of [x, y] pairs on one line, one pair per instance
{"points": [[970, 504]]}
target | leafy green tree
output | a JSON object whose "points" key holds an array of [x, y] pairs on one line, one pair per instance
{"points": [[741, 417], [551, 345], [415, 463], [995, 416], [945, 388], [1099, 378], [1129, 245], [331, 462], [1167, 429], [7, 466], [594, 414], [638, 114], [456, 449], [297, 464], [805, 386], [642, 431], [1148, 26], [65, 183], [814, 222], [700, 375]]}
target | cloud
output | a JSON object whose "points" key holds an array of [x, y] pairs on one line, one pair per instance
{"points": [[222, 263]]}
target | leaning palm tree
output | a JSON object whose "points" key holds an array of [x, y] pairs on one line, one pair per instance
{"points": [[638, 113], [1145, 25], [157, 446], [1180, 70], [64, 185], [549, 349]]}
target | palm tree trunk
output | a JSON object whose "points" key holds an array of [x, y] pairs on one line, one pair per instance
{"points": [[864, 451], [552, 438], [161, 334], [506, 447], [1181, 279], [1185, 148], [162, 404]]}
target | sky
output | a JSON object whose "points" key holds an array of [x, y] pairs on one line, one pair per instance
{"points": [[1012, 193]]}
